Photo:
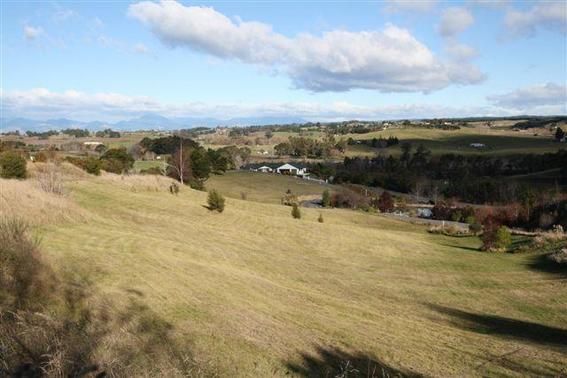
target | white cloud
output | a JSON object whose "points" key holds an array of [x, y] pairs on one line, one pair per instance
{"points": [[419, 6], [544, 15], [140, 48], [460, 52], [31, 33], [542, 95], [43, 104], [391, 60], [455, 20]]}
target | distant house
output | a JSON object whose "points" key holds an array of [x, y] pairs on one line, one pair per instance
{"points": [[288, 169], [264, 169], [478, 145], [92, 144]]}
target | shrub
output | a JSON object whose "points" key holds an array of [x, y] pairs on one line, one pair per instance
{"points": [[12, 165], [243, 196], [475, 228], [197, 185], [320, 219], [503, 238], [496, 237], [326, 198], [289, 199], [385, 202], [117, 160], [215, 201], [295, 212], [92, 166], [174, 188]]}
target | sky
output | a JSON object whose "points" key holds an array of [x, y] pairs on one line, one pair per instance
{"points": [[319, 60]]}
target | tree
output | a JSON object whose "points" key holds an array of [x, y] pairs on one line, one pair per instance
{"points": [[269, 134], [559, 134], [385, 202], [215, 201], [117, 160], [320, 219], [406, 153], [295, 212], [326, 198], [12, 165]]}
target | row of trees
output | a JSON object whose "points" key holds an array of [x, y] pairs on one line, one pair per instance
{"points": [[307, 147]]}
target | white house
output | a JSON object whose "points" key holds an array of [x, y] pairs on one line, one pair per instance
{"points": [[264, 169], [477, 145], [288, 169]]}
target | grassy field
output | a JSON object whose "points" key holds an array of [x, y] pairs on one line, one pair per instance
{"points": [[261, 294], [497, 141], [500, 141], [264, 187]]}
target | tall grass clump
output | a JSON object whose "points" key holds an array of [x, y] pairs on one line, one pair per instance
{"points": [[295, 212]]}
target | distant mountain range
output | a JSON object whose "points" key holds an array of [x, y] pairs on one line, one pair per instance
{"points": [[145, 122]]}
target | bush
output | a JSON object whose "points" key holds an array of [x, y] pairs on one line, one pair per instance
{"points": [[295, 212], [320, 219], [215, 201], [475, 228], [503, 238], [326, 198], [12, 165], [496, 237]]}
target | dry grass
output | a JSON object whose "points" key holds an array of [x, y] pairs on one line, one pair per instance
{"points": [[26, 200], [257, 292]]}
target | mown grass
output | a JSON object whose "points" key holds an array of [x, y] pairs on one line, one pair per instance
{"points": [[261, 294], [264, 187]]}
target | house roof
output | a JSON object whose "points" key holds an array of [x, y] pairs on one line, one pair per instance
{"points": [[287, 166], [264, 166]]}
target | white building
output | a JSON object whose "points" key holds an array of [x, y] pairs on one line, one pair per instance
{"points": [[288, 169], [477, 145]]}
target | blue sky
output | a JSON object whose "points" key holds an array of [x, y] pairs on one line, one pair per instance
{"points": [[111, 60]]}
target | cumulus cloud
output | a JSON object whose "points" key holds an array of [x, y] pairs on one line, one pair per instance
{"points": [[420, 6], [455, 20], [41, 103], [391, 60], [544, 15], [31, 33], [542, 95]]}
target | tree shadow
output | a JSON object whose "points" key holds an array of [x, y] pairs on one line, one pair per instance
{"points": [[505, 327], [335, 362], [542, 263]]}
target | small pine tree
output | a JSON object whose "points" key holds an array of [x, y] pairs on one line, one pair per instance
{"points": [[295, 212], [320, 219], [503, 238], [12, 165], [326, 198], [215, 201]]}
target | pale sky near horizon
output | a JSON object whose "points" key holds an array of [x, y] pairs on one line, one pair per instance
{"points": [[320, 60]]}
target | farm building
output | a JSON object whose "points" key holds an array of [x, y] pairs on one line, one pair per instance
{"points": [[288, 169]]}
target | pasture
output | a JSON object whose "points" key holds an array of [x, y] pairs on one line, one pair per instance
{"points": [[258, 293]]}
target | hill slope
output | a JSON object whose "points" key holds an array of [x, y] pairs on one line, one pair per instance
{"points": [[262, 294]]}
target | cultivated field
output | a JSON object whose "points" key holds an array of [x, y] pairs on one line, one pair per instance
{"points": [[258, 293]]}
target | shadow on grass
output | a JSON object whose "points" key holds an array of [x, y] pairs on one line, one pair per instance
{"points": [[505, 327], [542, 263], [462, 247], [334, 362]]}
